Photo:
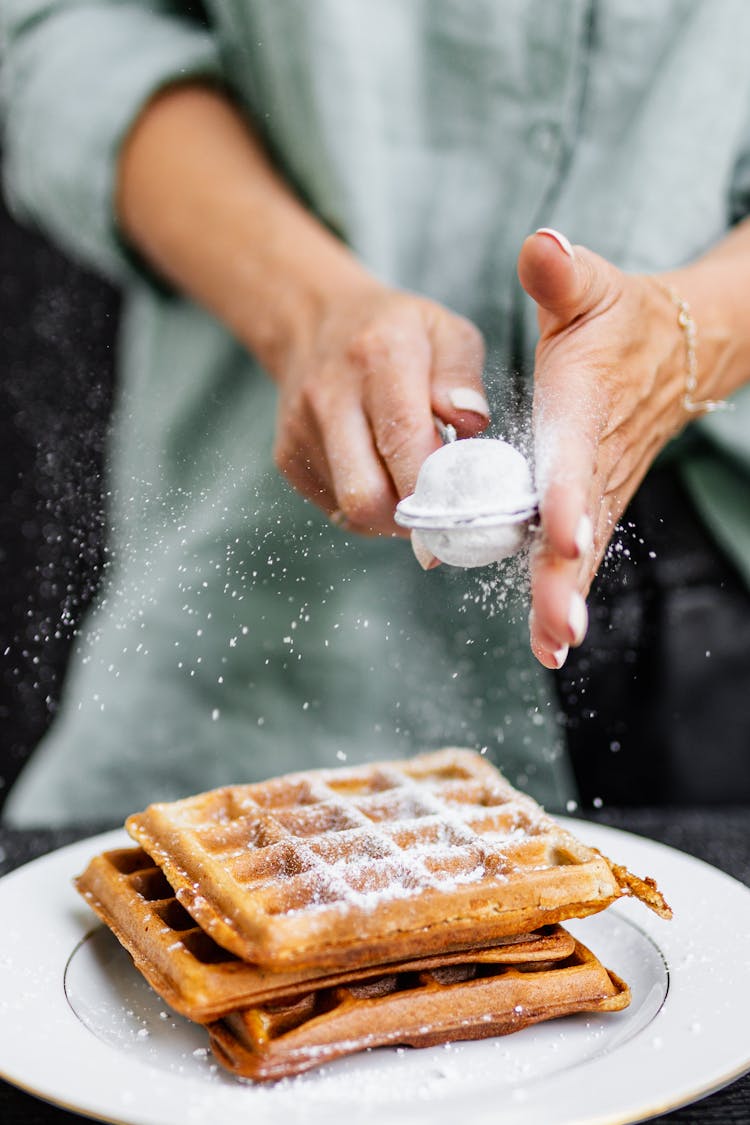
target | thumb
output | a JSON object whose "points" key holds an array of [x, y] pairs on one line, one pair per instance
{"points": [[565, 281]]}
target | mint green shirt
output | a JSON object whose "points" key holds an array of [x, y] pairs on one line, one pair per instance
{"points": [[237, 634]]}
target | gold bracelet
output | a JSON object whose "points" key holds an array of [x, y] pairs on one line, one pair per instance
{"points": [[690, 332]]}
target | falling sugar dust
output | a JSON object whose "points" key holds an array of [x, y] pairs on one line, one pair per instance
{"points": [[237, 628], [54, 405]]}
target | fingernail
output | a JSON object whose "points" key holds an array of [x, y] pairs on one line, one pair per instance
{"points": [[466, 398], [560, 239], [422, 553], [578, 618], [560, 655], [584, 536]]}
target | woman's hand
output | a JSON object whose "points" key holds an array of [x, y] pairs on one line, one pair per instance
{"points": [[361, 368], [357, 398], [609, 388]]}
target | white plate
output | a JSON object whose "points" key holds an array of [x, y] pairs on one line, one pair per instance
{"points": [[80, 1028]]}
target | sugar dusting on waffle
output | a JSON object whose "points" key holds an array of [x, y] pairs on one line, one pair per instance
{"points": [[314, 915], [314, 867]]}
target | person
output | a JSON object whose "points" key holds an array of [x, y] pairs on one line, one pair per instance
{"points": [[341, 196]]}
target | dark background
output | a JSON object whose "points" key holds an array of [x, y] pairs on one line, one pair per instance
{"points": [[57, 333]]}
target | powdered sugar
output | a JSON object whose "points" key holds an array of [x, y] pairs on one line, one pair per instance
{"points": [[472, 504]]}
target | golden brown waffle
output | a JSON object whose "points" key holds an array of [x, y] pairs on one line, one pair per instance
{"points": [[421, 1009], [203, 981], [350, 867]]}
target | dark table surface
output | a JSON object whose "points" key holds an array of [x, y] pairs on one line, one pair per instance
{"points": [[719, 836]]}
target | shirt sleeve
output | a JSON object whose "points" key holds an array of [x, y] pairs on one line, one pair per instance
{"points": [[75, 77]]}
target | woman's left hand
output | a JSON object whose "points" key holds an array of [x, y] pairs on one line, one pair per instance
{"points": [[609, 388]]}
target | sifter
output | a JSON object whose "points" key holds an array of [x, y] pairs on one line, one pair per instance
{"points": [[474, 502]]}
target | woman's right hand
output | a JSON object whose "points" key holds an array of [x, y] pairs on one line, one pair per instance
{"points": [[361, 368], [357, 397]]}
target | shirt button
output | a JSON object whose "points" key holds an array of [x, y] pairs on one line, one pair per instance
{"points": [[545, 139]]}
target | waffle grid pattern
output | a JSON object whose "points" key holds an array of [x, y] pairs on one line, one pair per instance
{"points": [[412, 1008], [204, 981], [316, 915], [320, 844], [289, 862]]}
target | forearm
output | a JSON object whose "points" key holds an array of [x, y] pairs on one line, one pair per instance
{"points": [[198, 196], [362, 368], [717, 288]]}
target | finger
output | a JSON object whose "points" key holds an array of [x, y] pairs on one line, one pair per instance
{"points": [[362, 487], [559, 612], [422, 552], [303, 477], [552, 658], [566, 282], [458, 396], [546, 648], [564, 510], [398, 401], [566, 436], [304, 464], [561, 564]]}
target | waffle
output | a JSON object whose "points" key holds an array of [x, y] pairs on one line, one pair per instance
{"points": [[368, 865], [418, 1009], [201, 980]]}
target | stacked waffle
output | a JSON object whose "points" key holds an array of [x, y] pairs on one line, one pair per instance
{"points": [[322, 913]]}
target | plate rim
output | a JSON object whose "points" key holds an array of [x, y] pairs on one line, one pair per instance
{"points": [[612, 838]]}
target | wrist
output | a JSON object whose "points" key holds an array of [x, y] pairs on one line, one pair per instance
{"points": [[703, 308], [690, 399], [198, 196], [287, 292]]}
